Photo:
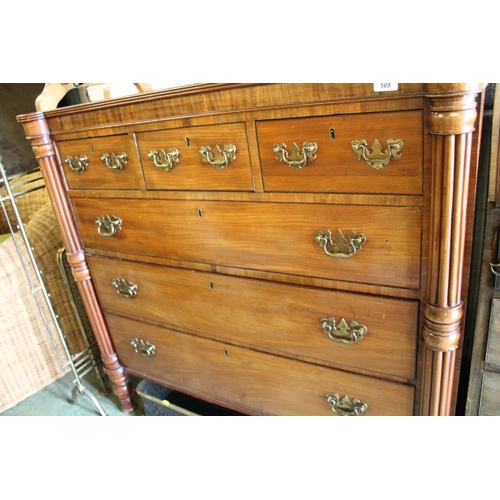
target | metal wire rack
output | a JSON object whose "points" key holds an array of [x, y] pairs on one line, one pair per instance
{"points": [[87, 359]]}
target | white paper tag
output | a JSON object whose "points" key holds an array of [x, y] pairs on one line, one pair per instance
{"points": [[385, 87]]}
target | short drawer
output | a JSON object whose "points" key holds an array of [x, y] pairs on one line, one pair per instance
{"points": [[379, 334], [388, 145], [290, 238], [171, 159], [101, 163], [250, 381]]}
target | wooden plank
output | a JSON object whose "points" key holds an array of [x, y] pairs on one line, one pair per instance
{"points": [[493, 347], [490, 395]]}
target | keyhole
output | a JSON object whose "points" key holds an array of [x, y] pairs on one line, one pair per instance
{"points": [[332, 133], [226, 353], [92, 149], [211, 285], [200, 212], [187, 142]]}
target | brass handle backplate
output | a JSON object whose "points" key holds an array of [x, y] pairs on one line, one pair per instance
{"points": [[78, 163], [344, 406], [297, 158], [125, 288], [108, 225], [340, 247], [346, 334], [143, 347], [218, 158], [377, 158], [164, 160], [115, 162]]}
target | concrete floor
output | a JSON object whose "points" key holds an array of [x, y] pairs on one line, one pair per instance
{"points": [[55, 400]]}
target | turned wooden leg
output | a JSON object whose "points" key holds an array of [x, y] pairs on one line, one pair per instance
{"points": [[37, 131]]}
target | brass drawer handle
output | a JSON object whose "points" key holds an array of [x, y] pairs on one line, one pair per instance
{"points": [[114, 162], [377, 158], [143, 347], [125, 288], [78, 163], [345, 406], [297, 158], [108, 225], [219, 158], [346, 334], [164, 160], [340, 247]]}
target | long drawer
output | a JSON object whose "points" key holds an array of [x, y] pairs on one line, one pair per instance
{"points": [[291, 238], [280, 318], [251, 381], [387, 157]]}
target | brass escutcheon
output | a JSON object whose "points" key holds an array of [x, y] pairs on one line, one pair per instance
{"points": [[219, 158], [344, 406], [164, 160], [377, 158], [143, 347], [346, 334], [115, 162], [108, 225], [125, 288], [78, 163], [340, 247], [297, 158]]}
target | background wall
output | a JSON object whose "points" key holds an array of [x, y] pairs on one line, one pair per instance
{"points": [[15, 150]]}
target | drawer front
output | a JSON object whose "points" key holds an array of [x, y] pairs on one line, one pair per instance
{"points": [[276, 237], [184, 168], [252, 381], [336, 169], [84, 168], [280, 318]]}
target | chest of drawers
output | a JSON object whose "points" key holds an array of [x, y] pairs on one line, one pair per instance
{"points": [[280, 249]]}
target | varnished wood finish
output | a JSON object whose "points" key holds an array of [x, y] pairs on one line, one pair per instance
{"points": [[336, 169], [452, 120], [262, 236], [249, 380], [43, 148], [279, 318], [243, 243], [191, 173], [98, 175]]}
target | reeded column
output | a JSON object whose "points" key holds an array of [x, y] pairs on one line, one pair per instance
{"points": [[452, 117], [38, 133]]}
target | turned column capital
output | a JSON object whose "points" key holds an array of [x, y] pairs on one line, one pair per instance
{"points": [[452, 107], [37, 132]]}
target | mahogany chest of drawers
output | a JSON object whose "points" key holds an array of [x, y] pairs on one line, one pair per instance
{"points": [[279, 249]]}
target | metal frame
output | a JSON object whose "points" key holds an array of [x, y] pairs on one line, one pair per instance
{"points": [[80, 363]]}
